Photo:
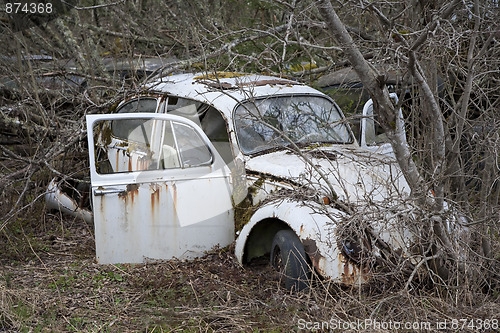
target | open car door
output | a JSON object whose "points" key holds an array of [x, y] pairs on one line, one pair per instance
{"points": [[168, 197]]}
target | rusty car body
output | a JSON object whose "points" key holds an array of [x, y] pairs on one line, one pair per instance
{"points": [[201, 160]]}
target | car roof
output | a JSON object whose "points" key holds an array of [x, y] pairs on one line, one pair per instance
{"points": [[224, 90]]}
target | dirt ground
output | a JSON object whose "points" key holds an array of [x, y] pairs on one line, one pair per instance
{"points": [[50, 282]]}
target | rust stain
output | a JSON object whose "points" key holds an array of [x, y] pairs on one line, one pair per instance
{"points": [[312, 251], [347, 277], [174, 190], [350, 272], [117, 160], [350, 275], [143, 163], [132, 195], [155, 197], [132, 191], [339, 265], [130, 164]]}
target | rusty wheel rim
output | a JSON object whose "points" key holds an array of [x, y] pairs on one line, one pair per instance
{"points": [[278, 261]]}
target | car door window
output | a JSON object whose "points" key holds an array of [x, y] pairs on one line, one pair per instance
{"points": [[135, 130], [148, 144], [192, 149]]}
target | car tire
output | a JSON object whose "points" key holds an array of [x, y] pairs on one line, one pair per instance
{"points": [[289, 258]]}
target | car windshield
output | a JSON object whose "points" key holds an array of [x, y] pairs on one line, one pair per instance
{"points": [[275, 121]]}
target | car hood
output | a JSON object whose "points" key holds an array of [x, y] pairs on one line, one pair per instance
{"points": [[355, 174]]}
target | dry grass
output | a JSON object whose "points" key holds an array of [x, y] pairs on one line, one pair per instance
{"points": [[55, 285]]}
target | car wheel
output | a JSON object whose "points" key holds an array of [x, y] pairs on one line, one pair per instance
{"points": [[289, 258]]}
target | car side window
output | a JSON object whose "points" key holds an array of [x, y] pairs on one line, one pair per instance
{"points": [[375, 134], [208, 118], [215, 127], [141, 104]]}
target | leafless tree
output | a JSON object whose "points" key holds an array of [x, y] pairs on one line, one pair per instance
{"points": [[410, 44]]}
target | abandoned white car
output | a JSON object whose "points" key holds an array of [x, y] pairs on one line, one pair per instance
{"points": [[200, 160]]}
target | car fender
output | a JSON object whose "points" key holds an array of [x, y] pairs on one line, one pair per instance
{"points": [[56, 199], [315, 225]]}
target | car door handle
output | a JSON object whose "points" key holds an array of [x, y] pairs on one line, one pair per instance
{"points": [[108, 191]]}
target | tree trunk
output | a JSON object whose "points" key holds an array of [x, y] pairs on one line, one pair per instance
{"points": [[375, 84]]}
